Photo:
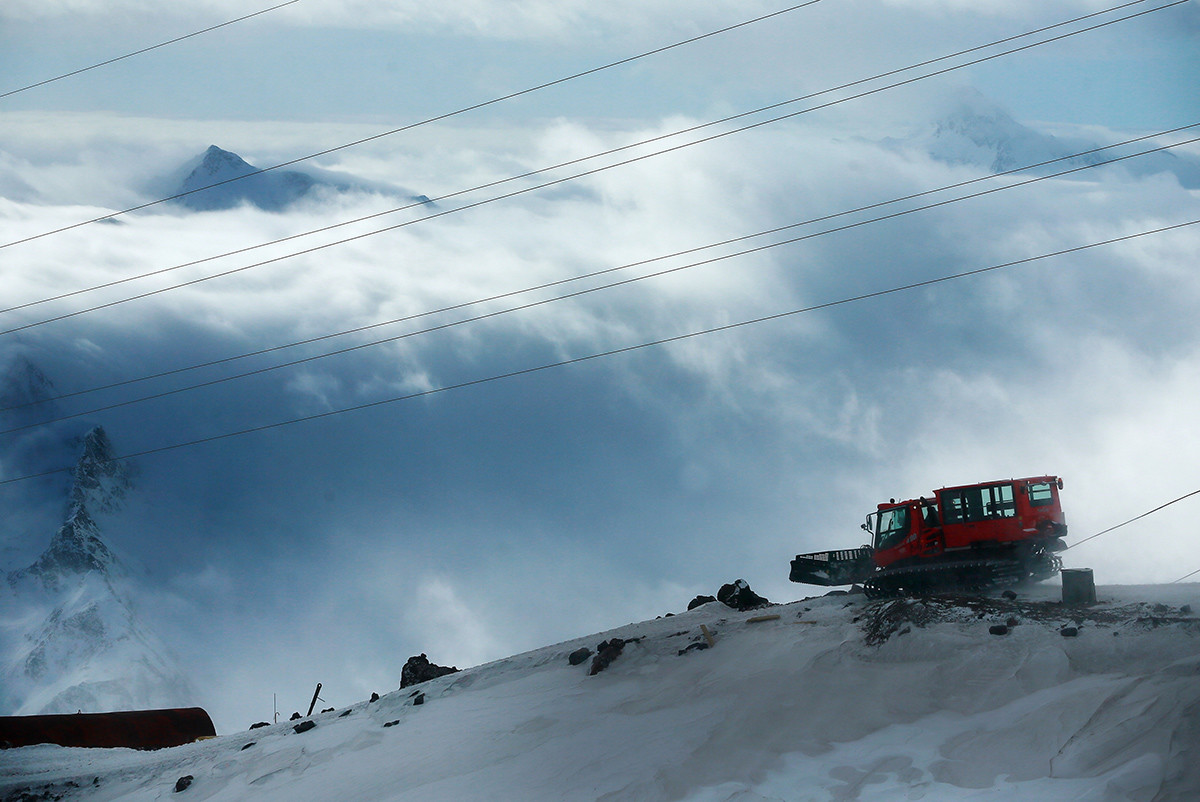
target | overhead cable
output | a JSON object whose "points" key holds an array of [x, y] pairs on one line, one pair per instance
{"points": [[428, 120], [612, 352], [513, 193], [1137, 518], [143, 50], [609, 270], [561, 165], [1186, 576], [579, 293]]}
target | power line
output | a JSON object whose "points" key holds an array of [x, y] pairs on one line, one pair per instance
{"points": [[438, 118], [143, 50], [1185, 576], [560, 165], [596, 273], [533, 188], [614, 352], [579, 293], [1139, 517]]}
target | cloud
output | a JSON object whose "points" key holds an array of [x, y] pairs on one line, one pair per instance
{"points": [[474, 523]]}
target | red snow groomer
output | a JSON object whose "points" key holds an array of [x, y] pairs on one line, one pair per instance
{"points": [[969, 537]]}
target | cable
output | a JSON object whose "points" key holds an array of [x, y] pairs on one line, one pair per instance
{"points": [[1185, 576], [534, 187], [1137, 518], [143, 50], [593, 274], [560, 165], [578, 293], [613, 352], [429, 120]]}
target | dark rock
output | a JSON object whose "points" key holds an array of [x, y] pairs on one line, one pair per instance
{"points": [[420, 700], [739, 596], [295, 716], [1070, 632], [387, 724], [1009, 594], [304, 726], [418, 669], [698, 646], [183, 782], [374, 698], [699, 600], [327, 710], [347, 712], [1185, 609], [247, 746], [1012, 622], [608, 651], [998, 629], [579, 655], [256, 725]]}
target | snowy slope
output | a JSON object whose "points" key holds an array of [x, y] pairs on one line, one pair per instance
{"points": [[837, 699]]}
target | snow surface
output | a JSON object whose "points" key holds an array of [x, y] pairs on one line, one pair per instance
{"points": [[839, 698]]}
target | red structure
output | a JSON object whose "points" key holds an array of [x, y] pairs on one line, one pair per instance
{"points": [[968, 536], [135, 729]]}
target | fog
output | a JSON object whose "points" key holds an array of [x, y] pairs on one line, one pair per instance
{"points": [[476, 522]]}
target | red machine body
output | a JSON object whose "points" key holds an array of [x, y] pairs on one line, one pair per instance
{"points": [[963, 537], [989, 515]]}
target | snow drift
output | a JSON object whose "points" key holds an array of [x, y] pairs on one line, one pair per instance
{"points": [[831, 698]]}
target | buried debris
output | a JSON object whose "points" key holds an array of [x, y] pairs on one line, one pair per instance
{"points": [[304, 726], [739, 596], [418, 669], [606, 652], [578, 656], [183, 782]]}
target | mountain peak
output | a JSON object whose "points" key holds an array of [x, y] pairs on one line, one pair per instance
{"points": [[24, 383], [223, 163], [101, 481]]}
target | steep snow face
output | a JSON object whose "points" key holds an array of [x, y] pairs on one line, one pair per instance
{"points": [[70, 637], [834, 698]]}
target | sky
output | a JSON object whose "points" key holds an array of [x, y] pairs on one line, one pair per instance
{"points": [[506, 515]]}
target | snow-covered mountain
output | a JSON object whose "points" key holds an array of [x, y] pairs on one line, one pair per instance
{"points": [[239, 182], [831, 698], [973, 130], [70, 638]]}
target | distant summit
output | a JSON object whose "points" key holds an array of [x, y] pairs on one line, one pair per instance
{"points": [[973, 130], [273, 191], [231, 181], [79, 644]]}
